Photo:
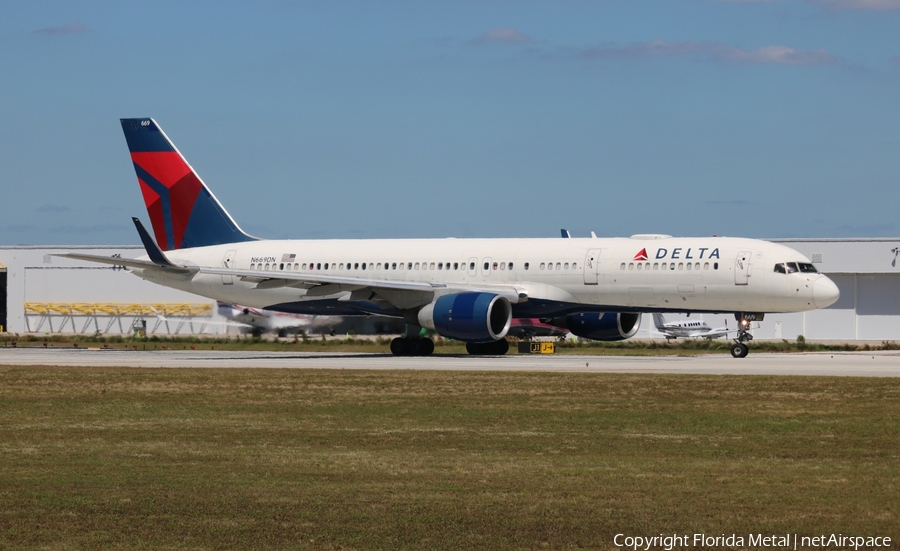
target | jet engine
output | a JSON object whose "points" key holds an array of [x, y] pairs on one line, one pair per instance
{"points": [[468, 317], [600, 326]]}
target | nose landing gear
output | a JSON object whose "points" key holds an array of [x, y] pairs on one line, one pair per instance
{"points": [[740, 349]]}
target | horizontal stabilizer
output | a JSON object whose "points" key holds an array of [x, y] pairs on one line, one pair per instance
{"points": [[114, 261]]}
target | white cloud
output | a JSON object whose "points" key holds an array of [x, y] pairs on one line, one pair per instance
{"points": [[655, 48], [502, 35], [861, 5], [778, 55]]}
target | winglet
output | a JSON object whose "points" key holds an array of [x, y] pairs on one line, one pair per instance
{"points": [[565, 233], [153, 250]]}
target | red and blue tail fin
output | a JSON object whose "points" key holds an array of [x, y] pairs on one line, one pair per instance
{"points": [[183, 211]]}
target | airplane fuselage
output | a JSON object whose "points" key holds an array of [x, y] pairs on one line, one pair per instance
{"points": [[464, 289], [551, 276]]}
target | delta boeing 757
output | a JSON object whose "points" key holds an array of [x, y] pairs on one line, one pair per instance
{"points": [[463, 289]]}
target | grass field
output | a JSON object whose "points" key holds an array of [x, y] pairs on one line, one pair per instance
{"points": [[321, 459]]}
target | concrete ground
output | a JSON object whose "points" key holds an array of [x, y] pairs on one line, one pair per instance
{"points": [[857, 364]]}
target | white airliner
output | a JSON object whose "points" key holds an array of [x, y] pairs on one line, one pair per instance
{"points": [[464, 289], [689, 328], [262, 321]]}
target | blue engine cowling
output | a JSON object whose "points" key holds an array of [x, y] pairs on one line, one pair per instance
{"points": [[601, 326], [468, 317]]}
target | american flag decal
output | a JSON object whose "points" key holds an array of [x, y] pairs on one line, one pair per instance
{"points": [[288, 257]]}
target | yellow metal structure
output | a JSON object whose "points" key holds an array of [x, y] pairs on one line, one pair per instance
{"points": [[195, 309], [114, 313]]}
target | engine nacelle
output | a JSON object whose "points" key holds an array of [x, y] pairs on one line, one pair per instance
{"points": [[468, 317], [600, 326]]}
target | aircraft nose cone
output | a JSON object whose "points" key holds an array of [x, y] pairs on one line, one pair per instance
{"points": [[825, 292]]}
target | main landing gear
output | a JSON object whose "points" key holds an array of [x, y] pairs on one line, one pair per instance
{"points": [[412, 346], [495, 348], [740, 349]]}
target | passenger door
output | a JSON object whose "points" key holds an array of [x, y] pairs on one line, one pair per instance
{"points": [[591, 266], [742, 268]]}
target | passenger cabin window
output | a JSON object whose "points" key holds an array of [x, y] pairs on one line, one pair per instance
{"points": [[510, 265], [487, 265], [526, 265]]}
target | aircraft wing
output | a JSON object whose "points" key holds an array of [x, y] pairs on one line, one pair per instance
{"points": [[403, 294]]}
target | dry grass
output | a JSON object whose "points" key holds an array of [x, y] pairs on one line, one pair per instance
{"points": [[323, 459]]}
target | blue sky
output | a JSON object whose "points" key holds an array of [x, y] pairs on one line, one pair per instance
{"points": [[466, 119]]}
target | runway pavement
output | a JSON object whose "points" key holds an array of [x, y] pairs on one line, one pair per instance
{"points": [[858, 364]]}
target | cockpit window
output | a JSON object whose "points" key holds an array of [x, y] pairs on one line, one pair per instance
{"points": [[794, 267]]}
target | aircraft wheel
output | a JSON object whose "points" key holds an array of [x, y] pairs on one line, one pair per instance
{"points": [[739, 350], [424, 347], [400, 347], [495, 348], [500, 347]]}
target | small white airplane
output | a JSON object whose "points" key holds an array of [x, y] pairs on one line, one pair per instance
{"points": [[281, 323], [465, 289], [689, 328]]}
